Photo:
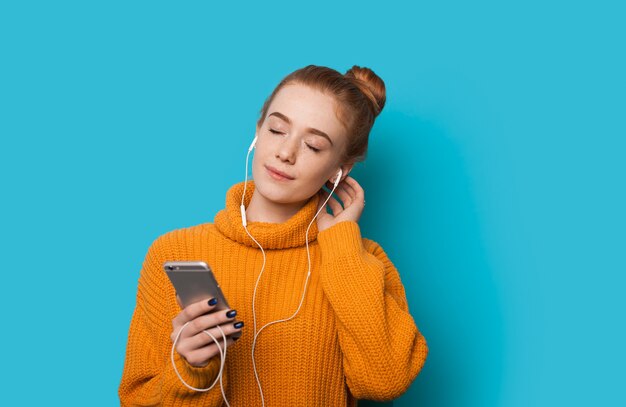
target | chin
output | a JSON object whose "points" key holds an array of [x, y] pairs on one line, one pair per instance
{"points": [[275, 193], [280, 193]]}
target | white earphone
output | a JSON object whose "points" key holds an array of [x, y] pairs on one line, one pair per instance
{"points": [[338, 179], [256, 334], [243, 209], [253, 144]]}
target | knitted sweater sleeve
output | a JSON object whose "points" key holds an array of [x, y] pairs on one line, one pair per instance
{"points": [[383, 350], [148, 378]]}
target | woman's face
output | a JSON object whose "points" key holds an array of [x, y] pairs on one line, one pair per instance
{"points": [[301, 137]]}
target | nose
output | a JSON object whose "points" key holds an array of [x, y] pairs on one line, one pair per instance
{"points": [[287, 149]]}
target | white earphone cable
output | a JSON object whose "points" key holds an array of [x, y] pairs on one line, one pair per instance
{"points": [[244, 222], [222, 357]]}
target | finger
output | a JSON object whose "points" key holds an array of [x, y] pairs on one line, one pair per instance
{"points": [[202, 339], [359, 193], [335, 206], [348, 187], [344, 195], [201, 323], [351, 184], [208, 321], [192, 311], [202, 356]]}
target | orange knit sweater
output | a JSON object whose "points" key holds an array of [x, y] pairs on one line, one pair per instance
{"points": [[353, 337]]}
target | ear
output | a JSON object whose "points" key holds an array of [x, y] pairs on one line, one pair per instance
{"points": [[346, 168]]}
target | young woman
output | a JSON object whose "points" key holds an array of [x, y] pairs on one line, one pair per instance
{"points": [[326, 316]]}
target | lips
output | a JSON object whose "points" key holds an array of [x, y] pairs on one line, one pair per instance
{"points": [[276, 172]]}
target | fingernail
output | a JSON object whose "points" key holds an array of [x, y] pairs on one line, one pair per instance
{"points": [[212, 301], [231, 314], [239, 324]]}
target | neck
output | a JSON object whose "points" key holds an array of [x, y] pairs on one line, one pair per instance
{"points": [[261, 209]]}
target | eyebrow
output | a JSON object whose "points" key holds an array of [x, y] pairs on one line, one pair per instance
{"points": [[309, 129]]}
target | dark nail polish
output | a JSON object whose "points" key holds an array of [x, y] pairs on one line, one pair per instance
{"points": [[231, 313], [212, 301], [238, 324]]}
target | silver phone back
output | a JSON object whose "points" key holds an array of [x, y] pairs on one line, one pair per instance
{"points": [[194, 281]]}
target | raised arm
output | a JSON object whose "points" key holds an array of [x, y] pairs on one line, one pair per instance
{"points": [[383, 350]]}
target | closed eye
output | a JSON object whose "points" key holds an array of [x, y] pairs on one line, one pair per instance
{"points": [[312, 148]]}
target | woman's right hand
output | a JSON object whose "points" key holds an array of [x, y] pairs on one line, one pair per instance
{"points": [[193, 344]]}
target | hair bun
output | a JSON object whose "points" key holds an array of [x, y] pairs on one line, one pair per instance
{"points": [[371, 85]]}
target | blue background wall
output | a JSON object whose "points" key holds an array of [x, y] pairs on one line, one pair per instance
{"points": [[495, 177]]}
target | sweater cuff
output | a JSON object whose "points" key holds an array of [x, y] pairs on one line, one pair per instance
{"points": [[341, 239], [199, 377]]}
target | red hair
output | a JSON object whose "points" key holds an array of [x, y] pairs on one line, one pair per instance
{"points": [[360, 96]]}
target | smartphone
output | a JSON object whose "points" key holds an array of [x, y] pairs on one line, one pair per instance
{"points": [[194, 281]]}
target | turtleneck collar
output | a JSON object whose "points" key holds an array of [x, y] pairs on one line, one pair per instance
{"points": [[291, 233]]}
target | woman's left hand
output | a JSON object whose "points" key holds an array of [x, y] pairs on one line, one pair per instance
{"points": [[353, 198]]}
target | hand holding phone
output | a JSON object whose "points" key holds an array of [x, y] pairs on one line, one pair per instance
{"points": [[195, 287]]}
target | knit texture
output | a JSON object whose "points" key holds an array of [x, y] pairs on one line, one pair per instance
{"points": [[353, 337]]}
